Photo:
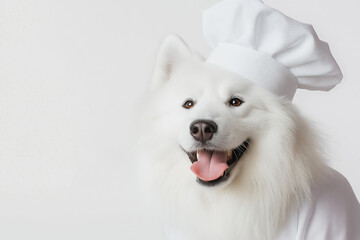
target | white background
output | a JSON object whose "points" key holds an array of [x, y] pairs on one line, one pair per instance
{"points": [[70, 73]]}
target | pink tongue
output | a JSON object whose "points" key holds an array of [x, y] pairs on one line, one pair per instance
{"points": [[210, 165]]}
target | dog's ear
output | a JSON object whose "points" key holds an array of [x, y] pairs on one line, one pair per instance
{"points": [[172, 53]]}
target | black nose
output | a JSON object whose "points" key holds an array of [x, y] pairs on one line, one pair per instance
{"points": [[203, 130]]}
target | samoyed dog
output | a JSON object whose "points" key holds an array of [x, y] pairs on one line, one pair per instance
{"points": [[220, 157]]}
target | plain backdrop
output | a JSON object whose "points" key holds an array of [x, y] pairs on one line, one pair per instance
{"points": [[70, 73]]}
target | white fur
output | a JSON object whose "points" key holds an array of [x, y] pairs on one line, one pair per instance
{"points": [[274, 175]]}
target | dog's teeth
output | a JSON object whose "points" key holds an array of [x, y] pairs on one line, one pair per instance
{"points": [[197, 154], [228, 154]]}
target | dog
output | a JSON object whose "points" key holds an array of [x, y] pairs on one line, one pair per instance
{"points": [[220, 157]]}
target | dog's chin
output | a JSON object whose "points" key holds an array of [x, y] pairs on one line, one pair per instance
{"points": [[233, 157]]}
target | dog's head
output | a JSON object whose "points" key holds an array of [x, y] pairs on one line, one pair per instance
{"points": [[215, 118], [203, 124]]}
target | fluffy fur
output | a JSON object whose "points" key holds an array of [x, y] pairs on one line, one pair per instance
{"points": [[274, 175]]}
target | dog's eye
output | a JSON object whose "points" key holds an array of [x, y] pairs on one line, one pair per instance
{"points": [[235, 102], [188, 104]]}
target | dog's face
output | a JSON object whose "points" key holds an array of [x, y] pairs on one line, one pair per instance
{"points": [[205, 126], [213, 115]]}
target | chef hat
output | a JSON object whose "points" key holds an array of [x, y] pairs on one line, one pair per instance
{"points": [[265, 46]]}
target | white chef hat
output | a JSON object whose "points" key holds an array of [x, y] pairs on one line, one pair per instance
{"points": [[265, 46]]}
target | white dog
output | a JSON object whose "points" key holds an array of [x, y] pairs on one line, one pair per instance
{"points": [[221, 157]]}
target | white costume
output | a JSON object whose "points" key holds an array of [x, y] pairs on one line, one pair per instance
{"points": [[281, 55], [332, 214]]}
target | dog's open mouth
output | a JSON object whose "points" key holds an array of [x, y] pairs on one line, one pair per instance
{"points": [[213, 167]]}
